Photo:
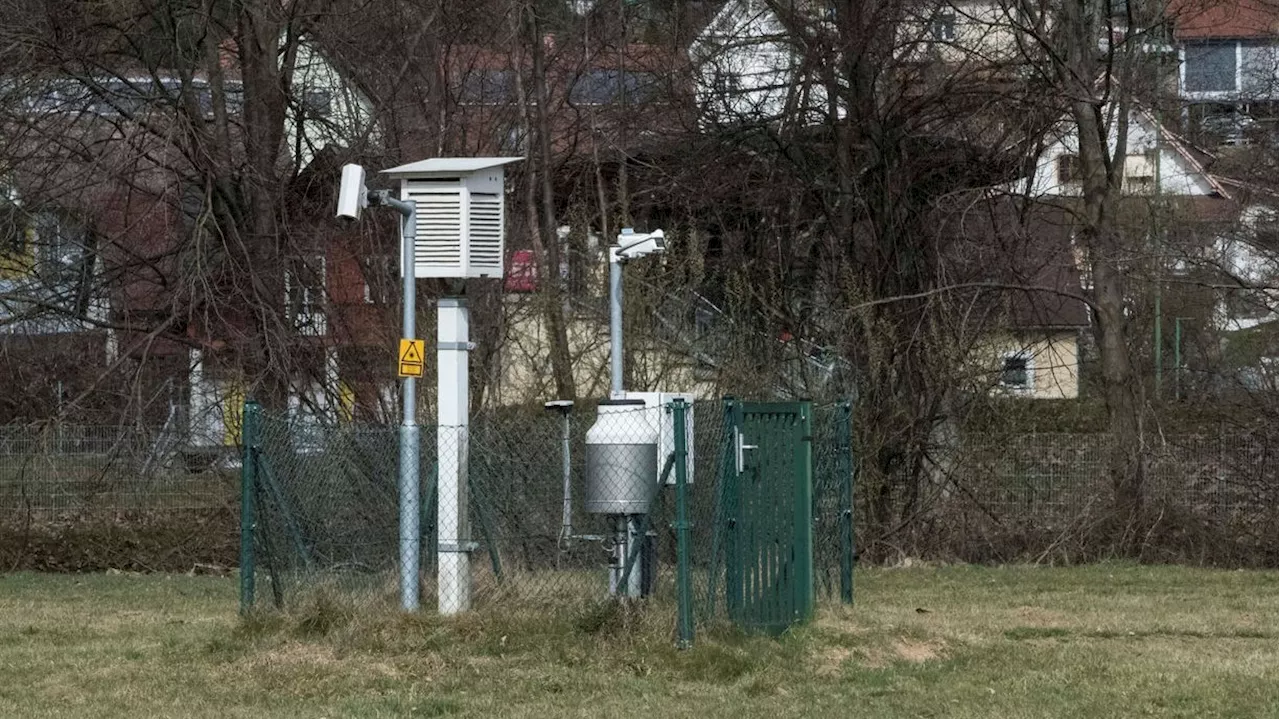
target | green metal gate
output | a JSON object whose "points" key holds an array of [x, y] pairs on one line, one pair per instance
{"points": [[767, 524]]}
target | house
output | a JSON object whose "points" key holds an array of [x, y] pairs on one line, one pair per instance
{"points": [[53, 315], [1157, 163], [748, 70], [102, 245], [758, 62], [1227, 78]]}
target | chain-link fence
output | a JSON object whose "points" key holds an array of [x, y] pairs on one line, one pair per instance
{"points": [[1062, 475], [560, 507], [328, 504]]}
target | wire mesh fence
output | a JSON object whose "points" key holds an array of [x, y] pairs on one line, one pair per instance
{"points": [[1055, 476], [73, 471], [328, 502], [560, 508]]}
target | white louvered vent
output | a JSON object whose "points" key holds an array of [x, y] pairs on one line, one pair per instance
{"points": [[486, 234], [459, 215], [438, 235]]}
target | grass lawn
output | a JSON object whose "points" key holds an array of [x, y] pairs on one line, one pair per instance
{"points": [[1101, 641]]}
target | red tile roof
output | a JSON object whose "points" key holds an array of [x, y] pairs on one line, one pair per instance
{"points": [[1223, 19]]}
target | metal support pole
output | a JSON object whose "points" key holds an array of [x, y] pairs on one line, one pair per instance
{"points": [[410, 439], [615, 322], [566, 468], [635, 540], [684, 580], [844, 445], [452, 437], [619, 563], [410, 435]]}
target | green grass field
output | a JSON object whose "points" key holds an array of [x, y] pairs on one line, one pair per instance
{"points": [[1099, 641]]}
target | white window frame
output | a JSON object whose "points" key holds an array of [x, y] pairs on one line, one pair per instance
{"points": [[311, 318], [1026, 356], [1232, 95], [1206, 94]]}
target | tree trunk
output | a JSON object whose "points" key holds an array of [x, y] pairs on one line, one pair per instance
{"points": [[1103, 146], [541, 210]]}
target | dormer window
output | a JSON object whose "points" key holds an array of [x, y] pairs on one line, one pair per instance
{"points": [[1210, 67]]}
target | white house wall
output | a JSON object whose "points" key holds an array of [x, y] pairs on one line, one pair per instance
{"points": [[983, 33], [746, 66], [1177, 175], [350, 115]]}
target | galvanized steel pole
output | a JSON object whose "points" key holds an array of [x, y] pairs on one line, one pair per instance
{"points": [[410, 436]]}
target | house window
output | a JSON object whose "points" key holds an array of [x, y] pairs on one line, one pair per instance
{"points": [[1210, 67], [1016, 371], [1217, 67], [1258, 70], [1139, 173], [488, 87], [725, 83], [944, 27], [305, 293], [381, 279], [604, 87], [1068, 168]]}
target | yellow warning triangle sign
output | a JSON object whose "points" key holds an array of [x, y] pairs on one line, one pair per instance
{"points": [[411, 351]]}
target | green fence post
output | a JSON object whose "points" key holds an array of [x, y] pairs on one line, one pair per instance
{"points": [[250, 437], [684, 590], [844, 444]]}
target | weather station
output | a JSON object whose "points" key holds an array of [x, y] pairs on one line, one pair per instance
{"points": [[629, 445], [452, 228]]}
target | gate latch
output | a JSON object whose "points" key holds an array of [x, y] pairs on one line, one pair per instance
{"points": [[741, 448]]}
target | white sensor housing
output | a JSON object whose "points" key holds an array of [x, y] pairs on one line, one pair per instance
{"points": [[352, 195]]}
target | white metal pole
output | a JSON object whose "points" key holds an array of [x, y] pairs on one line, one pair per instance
{"points": [[566, 471], [452, 435], [615, 322], [635, 537]]}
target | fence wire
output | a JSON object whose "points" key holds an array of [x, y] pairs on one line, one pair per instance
{"points": [[328, 505], [327, 516], [64, 472], [1057, 476]]}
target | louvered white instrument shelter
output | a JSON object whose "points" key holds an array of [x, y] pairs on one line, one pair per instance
{"points": [[459, 204]]}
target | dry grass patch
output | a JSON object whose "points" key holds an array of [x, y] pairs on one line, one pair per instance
{"points": [[1105, 641]]}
